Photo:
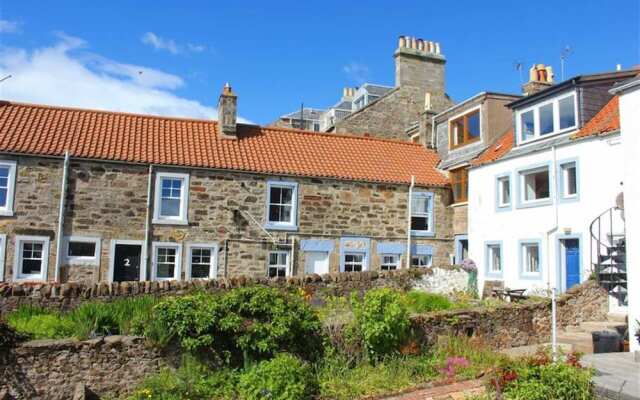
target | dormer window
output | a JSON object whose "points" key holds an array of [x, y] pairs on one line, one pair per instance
{"points": [[547, 118], [464, 129]]}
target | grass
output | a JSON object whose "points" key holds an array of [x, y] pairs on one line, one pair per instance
{"points": [[419, 302], [123, 316]]}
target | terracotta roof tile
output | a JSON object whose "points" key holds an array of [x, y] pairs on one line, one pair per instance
{"points": [[90, 134], [606, 121], [494, 152]]}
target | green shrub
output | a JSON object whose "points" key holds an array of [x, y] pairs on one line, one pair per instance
{"points": [[192, 380], [557, 381], [245, 323], [420, 302], [340, 329], [88, 320], [284, 377], [383, 321]]}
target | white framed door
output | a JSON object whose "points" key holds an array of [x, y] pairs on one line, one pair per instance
{"points": [[316, 262]]}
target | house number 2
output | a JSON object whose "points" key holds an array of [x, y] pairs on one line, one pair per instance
{"points": [[127, 262]]}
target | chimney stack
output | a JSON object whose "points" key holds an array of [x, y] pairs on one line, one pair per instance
{"points": [[228, 113], [540, 78], [419, 64]]}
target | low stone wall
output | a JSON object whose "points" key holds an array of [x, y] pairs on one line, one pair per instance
{"points": [[516, 324], [69, 295], [51, 369]]}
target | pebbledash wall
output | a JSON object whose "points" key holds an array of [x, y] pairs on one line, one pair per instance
{"points": [[108, 201]]}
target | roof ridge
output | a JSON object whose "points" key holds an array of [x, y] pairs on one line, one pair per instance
{"points": [[111, 112]]}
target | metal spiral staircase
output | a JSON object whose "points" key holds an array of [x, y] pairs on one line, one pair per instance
{"points": [[608, 253]]}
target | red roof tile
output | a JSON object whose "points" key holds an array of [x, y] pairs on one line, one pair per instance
{"points": [[606, 121], [90, 134], [496, 150]]}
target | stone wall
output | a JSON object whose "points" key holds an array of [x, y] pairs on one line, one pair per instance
{"points": [[516, 324], [64, 297], [50, 369], [108, 200]]}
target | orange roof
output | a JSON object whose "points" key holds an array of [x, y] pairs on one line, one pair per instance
{"points": [[90, 134], [606, 121], [496, 150]]}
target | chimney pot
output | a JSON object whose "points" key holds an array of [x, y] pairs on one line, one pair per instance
{"points": [[540, 78], [402, 42], [227, 113]]}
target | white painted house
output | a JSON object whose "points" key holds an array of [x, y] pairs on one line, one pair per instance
{"points": [[544, 195], [629, 93]]}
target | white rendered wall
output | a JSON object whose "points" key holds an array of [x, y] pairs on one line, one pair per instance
{"points": [[599, 179], [630, 127]]}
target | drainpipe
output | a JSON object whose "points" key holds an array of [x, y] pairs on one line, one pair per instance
{"points": [[293, 250], [147, 228], [408, 260], [553, 186], [63, 198]]}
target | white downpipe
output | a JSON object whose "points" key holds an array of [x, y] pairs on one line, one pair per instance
{"points": [[293, 254], [554, 187], [408, 260], [147, 227], [63, 198]]}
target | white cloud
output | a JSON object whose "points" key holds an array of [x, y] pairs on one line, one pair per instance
{"points": [[359, 73], [7, 26], [170, 45], [66, 74]]}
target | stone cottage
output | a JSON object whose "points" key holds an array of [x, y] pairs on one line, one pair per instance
{"points": [[90, 195]]}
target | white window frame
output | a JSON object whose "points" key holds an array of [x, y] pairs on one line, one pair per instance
{"points": [[213, 262], [523, 259], [181, 219], [429, 263], [396, 264], [80, 260], [522, 184], [564, 170], [491, 250], [354, 253], [430, 214], [556, 118], [177, 271], [17, 274], [287, 266], [504, 180], [279, 225], [7, 210], [3, 249]]}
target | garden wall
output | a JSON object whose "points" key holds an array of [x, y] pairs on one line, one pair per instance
{"points": [[67, 296], [51, 369], [516, 324]]}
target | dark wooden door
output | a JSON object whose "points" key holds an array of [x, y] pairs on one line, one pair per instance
{"points": [[126, 263]]}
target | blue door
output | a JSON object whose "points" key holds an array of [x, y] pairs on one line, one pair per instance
{"points": [[572, 254]]}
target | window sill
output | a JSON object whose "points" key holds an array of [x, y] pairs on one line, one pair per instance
{"points": [[546, 136], [460, 204], [6, 213], [422, 234], [531, 276], [506, 207], [273, 227], [494, 275], [27, 279], [569, 199], [157, 221], [535, 203], [81, 263]]}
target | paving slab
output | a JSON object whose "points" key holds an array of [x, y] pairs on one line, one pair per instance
{"points": [[617, 375]]}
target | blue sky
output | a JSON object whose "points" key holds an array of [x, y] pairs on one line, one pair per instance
{"points": [[279, 54]]}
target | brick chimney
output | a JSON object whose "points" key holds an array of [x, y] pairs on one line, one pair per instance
{"points": [[419, 64], [227, 113], [540, 78]]}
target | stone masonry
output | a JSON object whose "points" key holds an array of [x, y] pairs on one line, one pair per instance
{"points": [[419, 69], [108, 200]]}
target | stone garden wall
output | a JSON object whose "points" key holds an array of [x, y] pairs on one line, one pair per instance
{"points": [[51, 369], [67, 296]]}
